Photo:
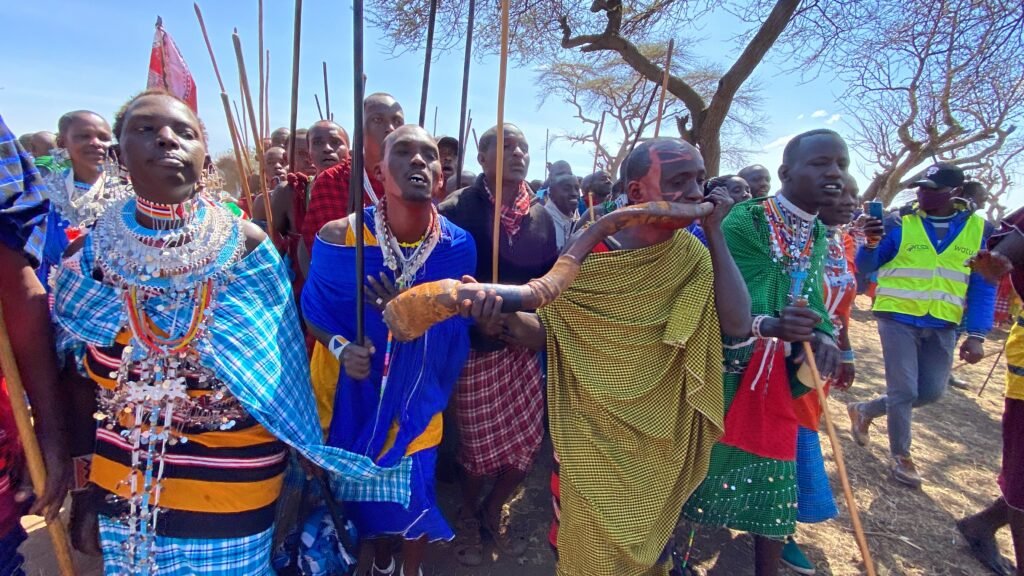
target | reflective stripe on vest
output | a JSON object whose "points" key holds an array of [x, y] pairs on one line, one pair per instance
{"points": [[921, 282]]}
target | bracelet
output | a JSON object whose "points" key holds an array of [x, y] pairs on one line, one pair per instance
{"points": [[337, 346], [979, 337], [755, 326], [849, 357]]}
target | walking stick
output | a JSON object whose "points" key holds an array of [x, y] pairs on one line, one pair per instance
{"points": [[664, 87], [502, 70], [355, 185], [318, 109], [30, 444], [465, 88], [236, 143], [837, 452], [262, 78], [296, 44], [993, 369], [327, 92], [597, 152], [643, 122], [266, 100], [247, 99], [426, 65]]}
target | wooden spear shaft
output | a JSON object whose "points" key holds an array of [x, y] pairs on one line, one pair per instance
{"points": [[318, 109], [356, 179], [597, 152], [664, 86], [244, 127], [837, 453], [247, 98], [426, 63], [327, 93], [30, 445], [243, 171], [296, 44], [262, 80], [266, 100], [465, 87], [498, 178]]}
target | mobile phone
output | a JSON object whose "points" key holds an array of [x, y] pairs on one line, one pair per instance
{"points": [[874, 209]]}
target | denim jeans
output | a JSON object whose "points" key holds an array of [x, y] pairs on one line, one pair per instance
{"points": [[917, 367]]}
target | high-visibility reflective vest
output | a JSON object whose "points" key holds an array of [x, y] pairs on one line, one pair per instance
{"points": [[920, 281]]}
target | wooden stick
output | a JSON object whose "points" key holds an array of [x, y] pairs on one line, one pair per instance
{"points": [[327, 92], [993, 369], [461, 142], [837, 453], [664, 86], [465, 137], [318, 109], [426, 63], [244, 127], [266, 101], [247, 99], [465, 86], [262, 79], [547, 141], [476, 141], [498, 178], [962, 364], [243, 171], [30, 445], [597, 143], [356, 180], [643, 122], [296, 45]]}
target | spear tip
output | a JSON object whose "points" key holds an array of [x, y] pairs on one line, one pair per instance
{"points": [[159, 22]]}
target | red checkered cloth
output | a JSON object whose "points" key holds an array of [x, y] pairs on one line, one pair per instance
{"points": [[329, 199], [499, 407], [512, 216]]}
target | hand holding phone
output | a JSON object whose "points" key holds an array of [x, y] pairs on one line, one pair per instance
{"points": [[873, 226]]}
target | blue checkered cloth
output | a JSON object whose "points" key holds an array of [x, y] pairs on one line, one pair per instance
{"points": [[23, 206], [254, 345], [814, 499], [246, 556]]}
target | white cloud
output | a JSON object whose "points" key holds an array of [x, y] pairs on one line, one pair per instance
{"points": [[819, 114], [833, 119], [800, 117], [778, 142]]}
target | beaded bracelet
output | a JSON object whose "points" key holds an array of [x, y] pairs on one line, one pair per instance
{"points": [[849, 357], [337, 346], [755, 326]]}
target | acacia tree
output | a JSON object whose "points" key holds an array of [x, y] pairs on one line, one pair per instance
{"points": [[601, 83], [542, 30], [932, 80]]}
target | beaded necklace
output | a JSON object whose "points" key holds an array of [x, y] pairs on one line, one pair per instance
{"points": [[791, 239], [169, 277], [81, 203]]}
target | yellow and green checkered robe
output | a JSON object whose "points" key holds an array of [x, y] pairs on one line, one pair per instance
{"points": [[635, 402], [744, 491]]}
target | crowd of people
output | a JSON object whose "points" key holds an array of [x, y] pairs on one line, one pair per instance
{"points": [[195, 367]]}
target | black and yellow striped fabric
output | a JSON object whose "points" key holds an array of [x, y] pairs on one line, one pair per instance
{"points": [[635, 402], [1015, 361], [217, 484]]}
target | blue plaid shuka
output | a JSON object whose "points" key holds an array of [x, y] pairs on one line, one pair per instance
{"points": [[23, 208]]}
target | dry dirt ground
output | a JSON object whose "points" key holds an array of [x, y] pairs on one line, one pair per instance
{"points": [[911, 533]]}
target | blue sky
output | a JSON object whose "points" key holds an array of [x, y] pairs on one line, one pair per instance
{"points": [[95, 54]]}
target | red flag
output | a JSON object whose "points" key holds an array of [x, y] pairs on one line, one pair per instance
{"points": [[167, 69]]}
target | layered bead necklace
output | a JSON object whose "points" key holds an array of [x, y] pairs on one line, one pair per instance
{"points": [[80, 203], [171, 272], [791, 233]]}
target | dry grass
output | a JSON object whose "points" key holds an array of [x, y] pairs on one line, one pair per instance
{"points": [[957, 446]]}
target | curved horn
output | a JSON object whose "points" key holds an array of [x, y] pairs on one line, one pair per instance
{"points": [[410, 314]]}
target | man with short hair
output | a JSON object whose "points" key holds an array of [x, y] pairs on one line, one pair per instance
{"points": [[780, 248], [498, 401], [563, 199], [556, 168], [759, 179], [450, 151], [279, 137], [924, 286]]}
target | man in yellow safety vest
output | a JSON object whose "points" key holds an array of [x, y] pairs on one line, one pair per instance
{"points": [[924, 287]]}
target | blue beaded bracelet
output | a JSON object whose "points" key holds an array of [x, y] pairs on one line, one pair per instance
{"points": [[849, 357]]}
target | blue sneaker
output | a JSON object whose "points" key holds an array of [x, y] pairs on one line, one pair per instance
{"points": [[794, 558]]}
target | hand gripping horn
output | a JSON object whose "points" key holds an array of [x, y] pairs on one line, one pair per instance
{"points": [[410, 314]]}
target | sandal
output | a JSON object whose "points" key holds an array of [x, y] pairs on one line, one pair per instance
{"points": [[508, 541], [469, 550]]}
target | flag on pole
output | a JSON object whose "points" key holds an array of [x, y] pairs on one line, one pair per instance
{"points": [[167, 68]]}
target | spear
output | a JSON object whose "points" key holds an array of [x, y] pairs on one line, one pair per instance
{"points": [[318, 109], [266, 101], [435, 126], [356, 179], [30, 445], [426, 63], [498, 178], [236, 143], [465, 84], [245, 139], [263, 79], [643, 122], [247, 99], [327, 93], [597, 152], [296, 42], [664, 86]]}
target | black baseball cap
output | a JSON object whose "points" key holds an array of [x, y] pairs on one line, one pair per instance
{"points": [[941, 175], [449, 142]]}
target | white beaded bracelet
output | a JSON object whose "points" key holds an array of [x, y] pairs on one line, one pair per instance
{"points": [[755, 326]]}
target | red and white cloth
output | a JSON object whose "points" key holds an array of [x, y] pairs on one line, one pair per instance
{"points": [[167, 68], [499, 407]]}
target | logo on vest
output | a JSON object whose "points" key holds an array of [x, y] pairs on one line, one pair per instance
{"points": [[964, 250], [916, 247]]}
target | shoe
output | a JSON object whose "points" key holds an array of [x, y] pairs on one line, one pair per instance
{"points": [[958, 383], [904, 471], [860, 426], [793, 557]]}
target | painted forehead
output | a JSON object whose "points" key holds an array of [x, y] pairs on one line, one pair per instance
{"points": [[669, 152]]}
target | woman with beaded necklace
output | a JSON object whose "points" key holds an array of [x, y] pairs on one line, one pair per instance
{"points": [[183, 316]]}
